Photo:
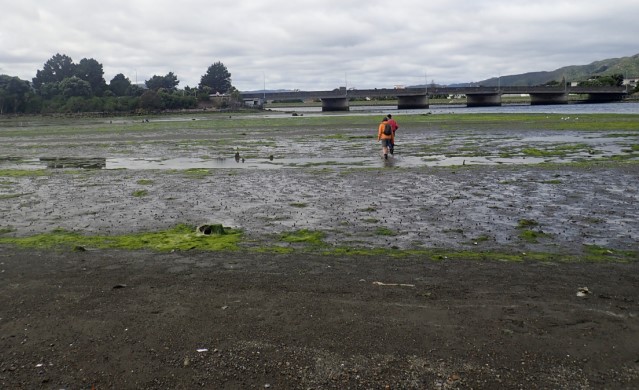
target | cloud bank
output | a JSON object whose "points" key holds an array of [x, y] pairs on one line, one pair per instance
{"points": [[313, 45]]}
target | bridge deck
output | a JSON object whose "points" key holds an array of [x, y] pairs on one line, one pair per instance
{"points": [[383, 92]]}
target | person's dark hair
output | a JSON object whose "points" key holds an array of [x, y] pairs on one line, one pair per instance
{"points": [[385, 119], [389, 116]]}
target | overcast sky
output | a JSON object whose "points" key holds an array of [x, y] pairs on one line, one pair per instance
{"points": [[317, 44]]}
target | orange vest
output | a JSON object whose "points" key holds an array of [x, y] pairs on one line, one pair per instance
{"points": [[380, 131]]}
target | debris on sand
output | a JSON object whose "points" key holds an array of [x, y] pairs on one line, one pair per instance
{"points": [[393, 284], [583, 291], [207, 230]]}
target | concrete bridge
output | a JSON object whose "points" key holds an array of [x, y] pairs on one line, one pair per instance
{"points": [[414, 98]]}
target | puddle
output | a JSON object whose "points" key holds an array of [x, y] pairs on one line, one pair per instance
{"points": [[72, 162], [263, 164]]}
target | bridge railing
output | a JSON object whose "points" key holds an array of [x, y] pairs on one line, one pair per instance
{"points": [[383, 92]]}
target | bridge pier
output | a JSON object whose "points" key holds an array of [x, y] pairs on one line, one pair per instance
{"points": [[548, 98], [335, 104], [483, 100], [412, 102], [604, 97]]}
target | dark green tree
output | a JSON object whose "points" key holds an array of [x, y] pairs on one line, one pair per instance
{"points": [[75, 87], [136, 90], [14, 93], [56, 69], [613, 80], [91, 71], [171, 81], [616, 79], [151, 101], [50, 90], [120, 85], [168, 82], [217, 78]]}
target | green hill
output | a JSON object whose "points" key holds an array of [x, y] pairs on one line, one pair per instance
{"points": [[627, 66]]}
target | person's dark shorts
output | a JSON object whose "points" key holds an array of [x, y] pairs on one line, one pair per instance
{"points": [[387, 143]]}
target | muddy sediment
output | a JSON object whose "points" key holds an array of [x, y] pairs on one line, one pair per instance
{"points": [[148, 320], [464, 207], [451, 186]]}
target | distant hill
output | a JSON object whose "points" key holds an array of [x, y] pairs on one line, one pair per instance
{"points": [[627, 66]]}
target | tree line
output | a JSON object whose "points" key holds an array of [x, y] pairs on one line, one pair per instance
{"points": [[62, 86]]}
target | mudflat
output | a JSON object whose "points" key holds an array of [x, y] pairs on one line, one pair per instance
{"points": [[489, 252], [148, 320]]}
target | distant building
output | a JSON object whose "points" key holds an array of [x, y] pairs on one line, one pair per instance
{"points": [[632, 81], [254, 102]]}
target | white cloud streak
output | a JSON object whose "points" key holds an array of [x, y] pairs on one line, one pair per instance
{"points": [[311, 44]]}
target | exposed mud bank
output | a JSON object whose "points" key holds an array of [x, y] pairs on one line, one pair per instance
{"points": [[472, 207]]}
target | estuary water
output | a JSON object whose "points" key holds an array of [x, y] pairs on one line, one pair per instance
{"points": [[568, 109]]}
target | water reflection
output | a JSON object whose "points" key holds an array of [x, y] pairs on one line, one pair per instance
{"points": [[267, 163], [277, 163], [74, 162]]}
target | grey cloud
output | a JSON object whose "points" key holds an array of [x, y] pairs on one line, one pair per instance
{"points": [[316, 44]]}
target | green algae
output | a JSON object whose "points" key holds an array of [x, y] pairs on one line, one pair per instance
{"points": [[303, 236], [591, 254], [180, 238], [524, 223], [197, 173], [5, 230], [596, 253], [23, 172], [384, 231], [11, 196], [274, 249], [184, 237], [532, 236], [140, 193]]}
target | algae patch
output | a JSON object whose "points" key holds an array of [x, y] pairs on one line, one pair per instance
{"points": [[596, 253], [303, 236], [140, 193], [23, 172], [181, 237]]}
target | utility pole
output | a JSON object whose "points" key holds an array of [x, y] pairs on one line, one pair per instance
{"points": [[426, 83], [345, 84]]}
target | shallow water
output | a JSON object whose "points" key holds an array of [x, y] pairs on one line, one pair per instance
{"points": [[300, 149], [570, 109], [186, 163]]}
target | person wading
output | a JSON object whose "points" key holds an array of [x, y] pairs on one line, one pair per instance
{"points": [[394, 127], [385, 134]]}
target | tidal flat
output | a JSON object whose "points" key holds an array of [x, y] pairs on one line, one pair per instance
{"points": [[262, 250], [458, 183]]}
